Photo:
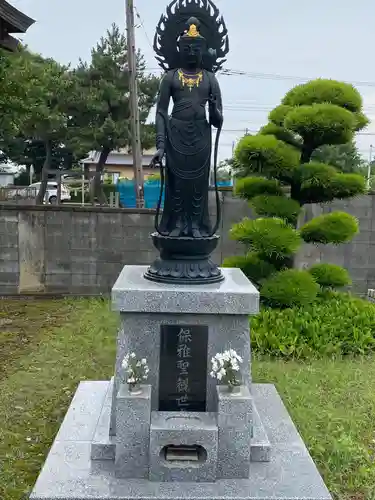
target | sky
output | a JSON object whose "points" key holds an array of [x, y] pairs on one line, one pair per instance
{"points": [[277, 44]]}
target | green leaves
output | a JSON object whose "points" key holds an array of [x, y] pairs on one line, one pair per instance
{"points": [[319, 183], [289, 288], [101, 107], [252, 265], [330, 275], [277, 206], [278, 114], [273, 238], [335, 324], [347, 185], [282, 134], [268, 156], [336, 228], [324, 91], [253, 186], [316, 120], [345, 157], [320, 124]]}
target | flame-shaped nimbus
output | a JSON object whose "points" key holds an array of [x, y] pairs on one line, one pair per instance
{"points": [[172, 24]]}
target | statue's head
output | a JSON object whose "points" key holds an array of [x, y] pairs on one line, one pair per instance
{"points": [[192, 45]]}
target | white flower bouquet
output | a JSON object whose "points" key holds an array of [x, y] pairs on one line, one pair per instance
{"points": [[136, 370], [226, 368]]}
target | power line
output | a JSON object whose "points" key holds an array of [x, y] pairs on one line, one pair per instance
{"points": [[278, 77], [243, 130], [142, 25]]}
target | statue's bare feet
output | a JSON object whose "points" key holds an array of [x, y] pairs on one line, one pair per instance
{"points": [[196, 233], [176, 232]]}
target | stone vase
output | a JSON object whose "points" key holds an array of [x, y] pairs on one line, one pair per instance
{"points": [[135, 389], [233, 389]]}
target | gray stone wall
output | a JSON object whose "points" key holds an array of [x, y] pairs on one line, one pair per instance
{"points": [[74, 250]]}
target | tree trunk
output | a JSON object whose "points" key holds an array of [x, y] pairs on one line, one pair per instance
{"points": [[97, 190], [307, 152], [46, 167]]}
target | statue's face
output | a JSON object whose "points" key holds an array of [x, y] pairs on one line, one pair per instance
{"points": [[191, 54]]}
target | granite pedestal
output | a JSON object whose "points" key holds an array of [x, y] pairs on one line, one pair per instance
{"points": [[144, 306], [114, 445]]}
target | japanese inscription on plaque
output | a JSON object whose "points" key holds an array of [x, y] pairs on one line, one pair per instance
{"points": [[183, 368]]}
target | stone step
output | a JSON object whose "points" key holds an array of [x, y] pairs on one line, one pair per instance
{"points": [[103, 446], [260, 444]]}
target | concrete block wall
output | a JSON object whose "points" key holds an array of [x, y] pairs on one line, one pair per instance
{"points": [[46, 249], [9, 252]]}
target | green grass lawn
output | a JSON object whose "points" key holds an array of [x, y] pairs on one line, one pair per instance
{"points": [[47, 347]]}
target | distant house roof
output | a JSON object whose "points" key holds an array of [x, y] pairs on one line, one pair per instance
{"points": [[12, 20], [122, 157]]}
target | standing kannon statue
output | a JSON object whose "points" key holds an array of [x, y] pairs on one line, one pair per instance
{"points": [[191, 43]]}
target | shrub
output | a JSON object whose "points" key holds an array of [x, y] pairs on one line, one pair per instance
{"points": [[330, 275], [336, 227], [278, 114], [281, 133], [253, 186], [269, 237], [265, 153], [322, 91], [108, 189], [335, 324], [277, 206], [154, 177], [320, 124], [315, 181], [252, 265], [347, 185], [288, 288], [76, 196], [318, 114]]}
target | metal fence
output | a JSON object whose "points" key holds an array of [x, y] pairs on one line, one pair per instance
{"points": [[18, 195]]}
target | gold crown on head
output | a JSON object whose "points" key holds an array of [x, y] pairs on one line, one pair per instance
{"points": [[193, 31]]}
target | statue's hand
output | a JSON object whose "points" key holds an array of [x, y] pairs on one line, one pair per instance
{"points": [[157, 159], [216, 118]]}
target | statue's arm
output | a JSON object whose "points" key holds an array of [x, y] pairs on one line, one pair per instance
{"points": [[216, 103], [162, 110]]}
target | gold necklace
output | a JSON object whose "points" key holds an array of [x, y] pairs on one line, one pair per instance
{"points": [[190, 80]]}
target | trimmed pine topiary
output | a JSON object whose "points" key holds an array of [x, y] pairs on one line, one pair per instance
{"points": [[249, 187], [266, 154], [347, 185], [282, 134], [271, 237], [289, 288], [313, 115], [323, 90], [278, 114], [336, 228], [277, 206], [253, 266], [330, 275], [314, 124]]}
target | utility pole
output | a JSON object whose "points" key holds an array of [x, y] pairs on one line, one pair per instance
{"points": [[134, 117], [369, 169]]}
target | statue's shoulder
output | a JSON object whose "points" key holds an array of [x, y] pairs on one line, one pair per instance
{"points": [[211, 75], [168, 75]]}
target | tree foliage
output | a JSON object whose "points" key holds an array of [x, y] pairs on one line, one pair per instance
{"points": [[100, 110], [290, 287], [298, 152], [267, 155], [53, 116], [249, 187], [330, 276], [345, 157], [38, 90]]}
